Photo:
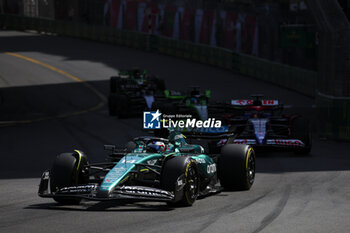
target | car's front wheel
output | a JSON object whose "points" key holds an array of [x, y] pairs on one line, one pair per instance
{"points": [[180, 175], [301, 130], [236, 167], [68, 169]]}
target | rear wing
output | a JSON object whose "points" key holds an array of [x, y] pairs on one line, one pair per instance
{"points": [[250, 102], [170, 94], [123, 74]]}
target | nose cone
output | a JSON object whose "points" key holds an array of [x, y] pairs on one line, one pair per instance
{"points": [[102, 193], [260, 137], [259, 129], [202, 111]]}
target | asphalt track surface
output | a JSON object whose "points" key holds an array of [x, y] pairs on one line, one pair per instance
{"points": [[52, 89]]}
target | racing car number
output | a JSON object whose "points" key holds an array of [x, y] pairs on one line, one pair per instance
{"points": [[211, 168]]}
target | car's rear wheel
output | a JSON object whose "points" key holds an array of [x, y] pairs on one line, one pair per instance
{"points": [[181, 171], [69, 169], [301, 130], [236, 167], [118, 105], [160, 84], [113, 104], [114, 84], [123, 106]]}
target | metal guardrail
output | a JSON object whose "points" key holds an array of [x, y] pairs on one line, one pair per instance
{"points": [[297, 79], [335, 120]]}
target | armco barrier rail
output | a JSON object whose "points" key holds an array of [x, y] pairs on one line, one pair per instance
{"points": [[334, 121], [294, 78]]}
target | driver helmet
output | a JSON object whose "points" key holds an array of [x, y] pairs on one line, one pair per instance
{"points": [[156, 146], [170, 148]]}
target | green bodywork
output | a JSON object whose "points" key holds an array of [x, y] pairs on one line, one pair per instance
{"points": [[198, 104], [122, 168], [141, 78]]}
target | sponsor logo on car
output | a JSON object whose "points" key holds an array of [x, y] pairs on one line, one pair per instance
{"points": [[211, 168], [200, 160], [250, 102], [285, 142], [244, 141]]}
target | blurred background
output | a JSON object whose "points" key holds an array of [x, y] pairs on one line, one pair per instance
{"points": [[282, 31]]}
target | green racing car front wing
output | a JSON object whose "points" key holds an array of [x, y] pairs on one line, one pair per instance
{"points": [[91, 192]]}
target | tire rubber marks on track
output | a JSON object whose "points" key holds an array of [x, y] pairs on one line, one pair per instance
{"points": [[266, 220], [102, 98], [276, 211], [230, 209]]}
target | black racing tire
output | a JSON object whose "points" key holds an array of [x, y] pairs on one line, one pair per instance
{"points": [[113, 104], [114, 84], [123, 106], [236, 167], [301, 130], [68, 169], [160, 84], [172, 170]]}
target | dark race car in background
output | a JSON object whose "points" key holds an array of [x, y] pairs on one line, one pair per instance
{"points": [[260, 122], [133, 91], [149, 169], [192, 102]]}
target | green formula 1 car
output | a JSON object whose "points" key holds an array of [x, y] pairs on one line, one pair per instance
{"points": [[132, 91], [149, 169], [193, 102]]}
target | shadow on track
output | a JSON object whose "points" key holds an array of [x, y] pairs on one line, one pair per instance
{"points": [[42, 101], [27, 149]]}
